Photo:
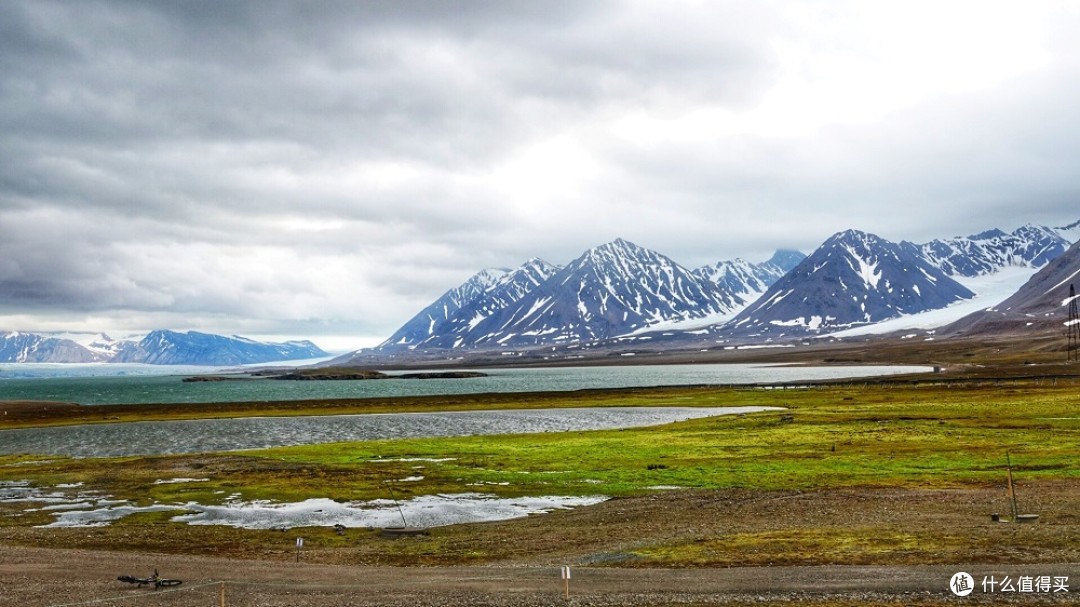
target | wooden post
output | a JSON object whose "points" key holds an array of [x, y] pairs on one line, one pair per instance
{"points": [[299, 545], [221, 601], [566, 580], [1012, 489]]}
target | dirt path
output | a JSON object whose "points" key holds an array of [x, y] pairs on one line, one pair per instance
{"points": [[44, 577]]}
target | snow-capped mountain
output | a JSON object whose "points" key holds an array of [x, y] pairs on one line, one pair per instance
{"points": [[193, 348], [158, 348], [100, 343], [981, 254], [854, 278], [507, 291], [423, 325], [1041, 304], [619, 290], [745, 281], [19, 347], [610, 290]]}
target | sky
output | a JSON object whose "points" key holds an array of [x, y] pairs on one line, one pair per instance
{"points": [[324, 170]]}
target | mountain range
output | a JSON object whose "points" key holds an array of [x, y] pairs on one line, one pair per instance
{"points": [[619, 291], [610, 290], [159, 347]]}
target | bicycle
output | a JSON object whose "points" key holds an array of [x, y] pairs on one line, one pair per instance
{"points": [[153, 580]]}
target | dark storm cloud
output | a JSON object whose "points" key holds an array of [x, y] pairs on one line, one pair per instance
{"points": [[277, 165]]}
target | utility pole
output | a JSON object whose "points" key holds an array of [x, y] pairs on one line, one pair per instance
{"points": [[1072, 328]]}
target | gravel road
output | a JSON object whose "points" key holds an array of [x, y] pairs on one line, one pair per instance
{"points": [[32, 577]]}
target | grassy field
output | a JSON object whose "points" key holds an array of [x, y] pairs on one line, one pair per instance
{"points": [[925, 443]]}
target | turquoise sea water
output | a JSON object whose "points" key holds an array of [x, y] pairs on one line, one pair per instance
{"points": [[140, 384]]}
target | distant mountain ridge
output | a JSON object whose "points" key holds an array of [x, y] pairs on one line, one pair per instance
{"points": [[21, 347], [160, 347], [1041, 303], [745, 281], [1028, 246]]}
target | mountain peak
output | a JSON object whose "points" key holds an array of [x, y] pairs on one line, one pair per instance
{"points": [[786, 259], [617, 246], [853, 236], [988, 234], [536, 262]]}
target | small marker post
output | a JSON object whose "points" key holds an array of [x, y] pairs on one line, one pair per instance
{"points": [[566, 580], [299, 546]]}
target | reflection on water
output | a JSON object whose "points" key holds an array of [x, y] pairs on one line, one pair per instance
{"points": [[197, 436]]}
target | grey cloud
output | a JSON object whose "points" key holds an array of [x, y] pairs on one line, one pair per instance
{"points": [[164, 157]]}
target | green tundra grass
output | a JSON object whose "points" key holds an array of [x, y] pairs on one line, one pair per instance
{"points": [[827, 437], [903, 436]]}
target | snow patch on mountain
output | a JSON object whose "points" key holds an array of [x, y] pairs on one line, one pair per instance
{"points": [[990, 290], [611, 290], [852, 279], [1028, 246]]}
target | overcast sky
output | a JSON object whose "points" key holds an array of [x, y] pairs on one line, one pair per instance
{"points": [[326, 169]]}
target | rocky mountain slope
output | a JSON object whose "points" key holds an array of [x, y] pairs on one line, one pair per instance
{"points": [[459, 310], [1041, 305], [854, 278], [20, 347], [610, 290]]}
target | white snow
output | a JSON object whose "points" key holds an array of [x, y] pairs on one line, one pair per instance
{"points": [[688, 324], [1071, 276], [989, 290], [796, 322], [536, 306], [869, 272], [423, 511], [170, 481]]}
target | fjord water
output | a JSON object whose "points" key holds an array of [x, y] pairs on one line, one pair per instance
{"points": [[141, 385], [207, 435]]}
